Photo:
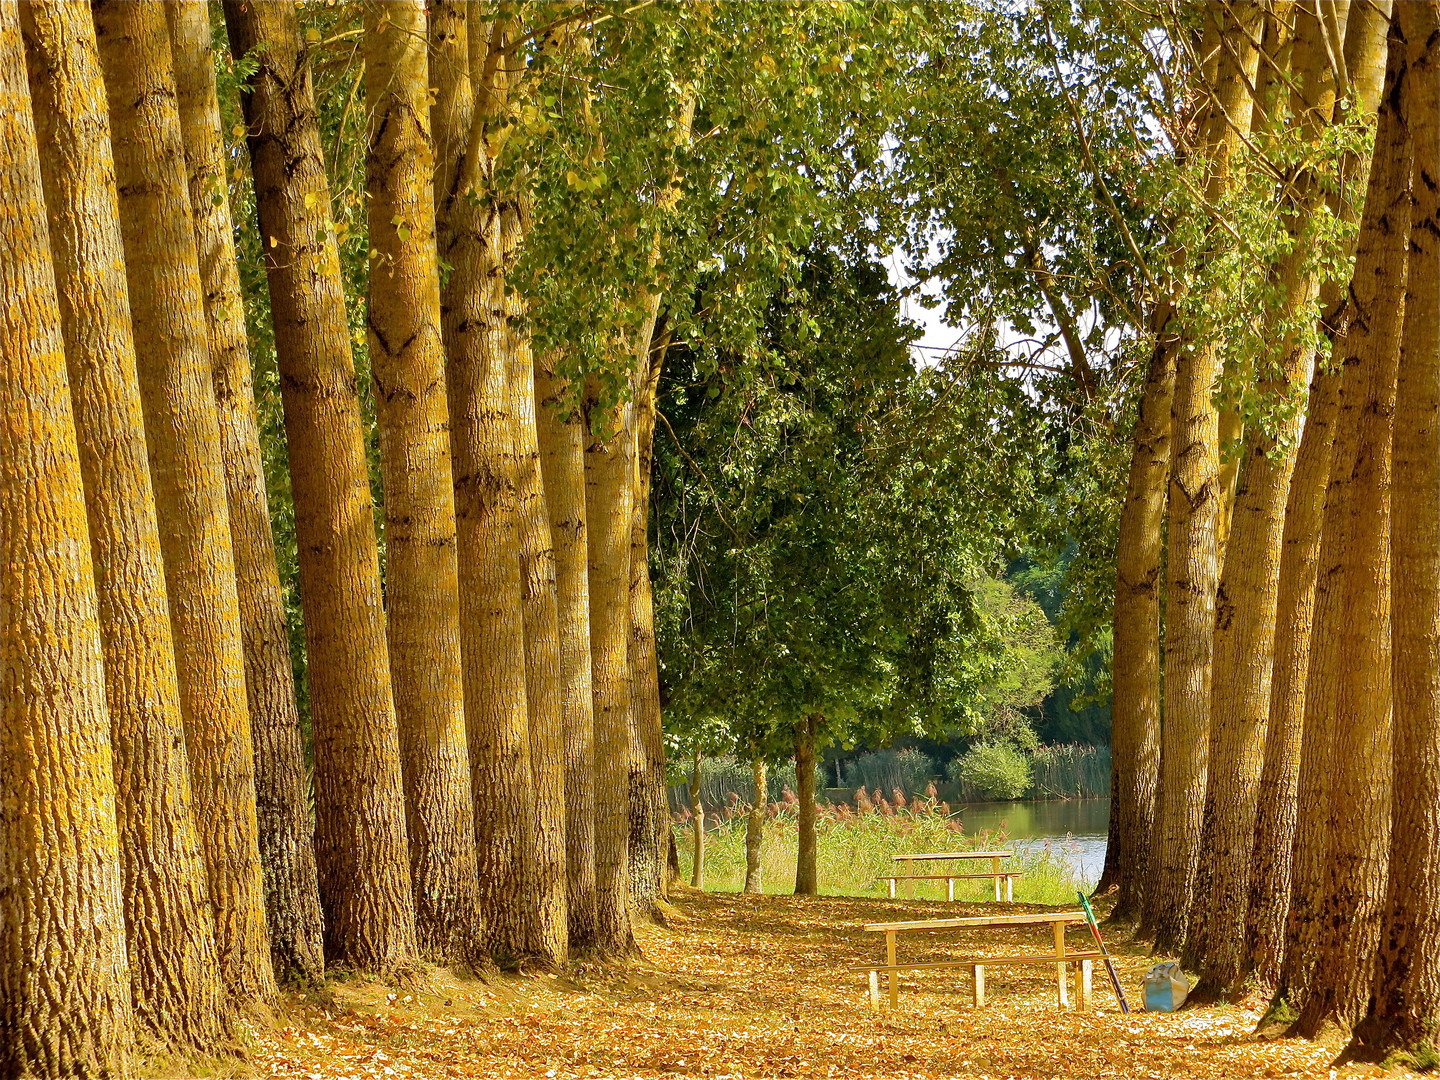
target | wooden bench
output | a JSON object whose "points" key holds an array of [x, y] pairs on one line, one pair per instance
{"points": [[1061, 958], [1008, 876]]}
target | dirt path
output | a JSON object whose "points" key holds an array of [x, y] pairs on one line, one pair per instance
{"points": [[758, 986]]}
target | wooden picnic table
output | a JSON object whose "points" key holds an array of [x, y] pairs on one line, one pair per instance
{"points": [[1061, 958], [1008, 876]]}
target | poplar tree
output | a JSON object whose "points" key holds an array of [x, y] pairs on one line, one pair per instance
{"points": [[65, 1006], [361, 844], [183, 438], [282, 790]]}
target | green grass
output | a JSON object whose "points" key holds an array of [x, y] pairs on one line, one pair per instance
{"points": [[855, 848]]}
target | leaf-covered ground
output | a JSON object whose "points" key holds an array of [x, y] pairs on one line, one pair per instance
{"points": [[759, 986]]}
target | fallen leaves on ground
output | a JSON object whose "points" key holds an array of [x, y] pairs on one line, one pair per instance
{"points": [[748, 986]]}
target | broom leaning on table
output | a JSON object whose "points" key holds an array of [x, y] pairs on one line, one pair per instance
{"points": [[1104, 952]]}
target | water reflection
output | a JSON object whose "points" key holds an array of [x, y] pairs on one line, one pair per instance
{"points": [[1075, 829]]}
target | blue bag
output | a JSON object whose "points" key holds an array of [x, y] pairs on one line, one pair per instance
{"points": [[1166, 988]]}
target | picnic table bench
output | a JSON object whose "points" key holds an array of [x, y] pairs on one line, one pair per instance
{"points": [[950, 877], [1061, 957]]}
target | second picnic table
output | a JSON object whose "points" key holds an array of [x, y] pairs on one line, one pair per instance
{"points": [[951, 877]]}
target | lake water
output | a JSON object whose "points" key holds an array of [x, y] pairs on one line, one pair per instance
{"points": [[1075, 830]]}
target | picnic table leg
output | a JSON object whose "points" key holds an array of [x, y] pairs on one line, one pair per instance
{"points": [[995, 866], [894, 975], [1009, 888], [1083, 984], [979, 986], [950, 888], [1060, 967], [875, 991], [892, 888]]}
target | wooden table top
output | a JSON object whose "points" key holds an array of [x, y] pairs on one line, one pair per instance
{"points": [[1007, 853], [983, 921]]}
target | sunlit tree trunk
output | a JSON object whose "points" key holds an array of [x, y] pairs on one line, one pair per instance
{"points": [[183, 437], [1135, 714], [282, 791], [1296, 605], [478, 373], [806, 878], [169, 926], [361, 842], [407, 363], [65, 1006], [1358, 819], [1404, 1010], [562, 464], [609, 506], [697, 827], [755, 828], [1246, 602], [1193, 511]]}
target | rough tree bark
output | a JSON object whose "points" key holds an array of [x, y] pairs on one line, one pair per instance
{"points": [[169, 926], [282, 791], [1136, 711], [183, 438], [407, 363], [482, 445], [1193, 511], [1358, 814], [562, 464], [1404, 1010], [755, 828], [697, 827], [64, 980], [361, 844]]}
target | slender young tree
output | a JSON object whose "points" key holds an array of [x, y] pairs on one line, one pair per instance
{"points": [[475, 324], [64, 980], [361, 843], [1194, 504], [755, 828], [807, 882], [1135, 721], [183, 437], [282, 791], [169, 926], [407, 360], [697, 828], [562, 462], [1403, 1016], [1358, 815], [1247, 598]]}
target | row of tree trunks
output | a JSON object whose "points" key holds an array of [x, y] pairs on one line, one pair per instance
{"points": [[361, 843], [168, 922], [287, 850], [1193, 510], [1245, 615], [1405, 1001], [407, 360], [65, 1000]]}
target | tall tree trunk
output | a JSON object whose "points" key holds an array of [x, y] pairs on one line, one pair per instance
{"points": [[65, 1007], [282, 791], [697, 827], [649, 815], [183, 437], [1246, 602], [1404, 1009], [562, 464], [361, 843], [609, 506], [755, 827], [407, 362], [482, 446], [1300, 549], [806, 879], [1135, 721], [169, 926], [1359, 807], [544, 691], [1232, 457], [1193, 512]]}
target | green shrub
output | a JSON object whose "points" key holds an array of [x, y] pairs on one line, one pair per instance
{"points": [[996, 770]]}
